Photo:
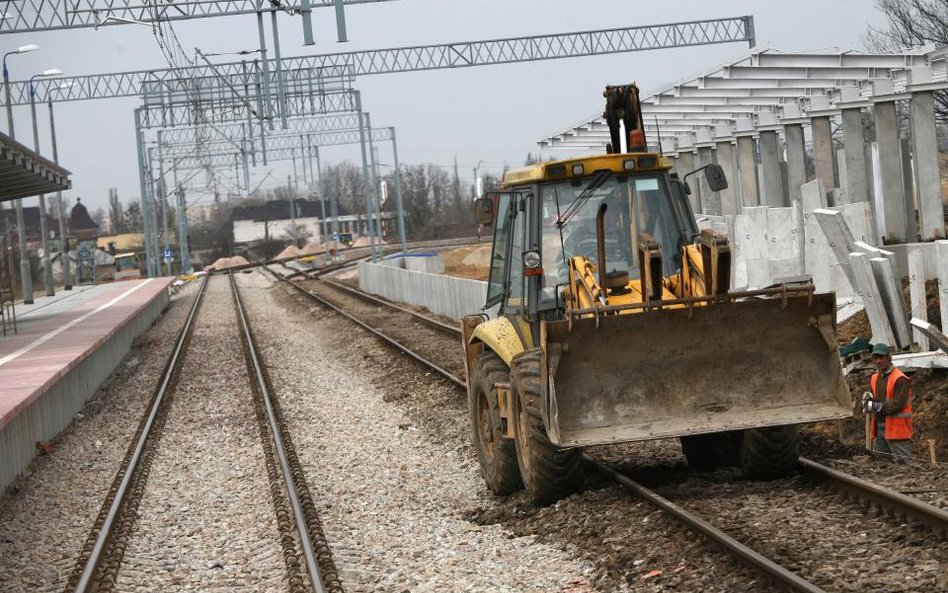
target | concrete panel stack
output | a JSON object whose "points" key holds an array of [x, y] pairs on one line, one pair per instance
{"points": [[942, 253], [785, 243], [840, 240], [442, 295], [916, 267], [816, 254]]}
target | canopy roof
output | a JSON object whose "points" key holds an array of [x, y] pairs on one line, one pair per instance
{"points": [[24, 173], [768, 88]]}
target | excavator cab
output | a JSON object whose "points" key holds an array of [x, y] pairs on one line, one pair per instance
{"points": [[616, 322]]}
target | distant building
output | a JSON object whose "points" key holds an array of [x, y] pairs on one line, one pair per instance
{"points": [[272, 220], [81, 225]]}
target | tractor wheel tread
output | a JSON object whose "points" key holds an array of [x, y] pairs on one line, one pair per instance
{"points": [[501, 473], [553, 472], [770, 452]]}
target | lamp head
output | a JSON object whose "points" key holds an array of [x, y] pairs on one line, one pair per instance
{"points": [[51, 72], [25, 48]]}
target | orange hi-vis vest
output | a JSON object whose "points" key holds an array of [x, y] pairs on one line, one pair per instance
{"points": [[897, 426]]}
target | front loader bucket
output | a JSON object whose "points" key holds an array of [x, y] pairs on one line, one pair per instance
{"points": [[674, 372]]}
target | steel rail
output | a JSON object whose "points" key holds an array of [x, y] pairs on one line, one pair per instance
{"points": [[392, 342], [923, 512], [312, 566], [379, 301], [171, 371], [749, 556], [928, 514]]}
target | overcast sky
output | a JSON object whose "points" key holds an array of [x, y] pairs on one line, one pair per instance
{"points": [[493, 114]]}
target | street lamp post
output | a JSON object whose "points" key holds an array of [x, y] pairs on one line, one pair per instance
{"points": [[64, 242], [26, 277], [44, 224]]}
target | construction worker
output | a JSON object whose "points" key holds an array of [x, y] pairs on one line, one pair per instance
{"points": [[889, 401]]}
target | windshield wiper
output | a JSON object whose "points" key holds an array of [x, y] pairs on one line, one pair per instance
{"points": [[598, 179]]}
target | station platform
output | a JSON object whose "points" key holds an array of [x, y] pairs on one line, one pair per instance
{"points": [[65, 347]]}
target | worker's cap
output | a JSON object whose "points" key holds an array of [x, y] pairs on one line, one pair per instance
{"points": [[880, 349]]}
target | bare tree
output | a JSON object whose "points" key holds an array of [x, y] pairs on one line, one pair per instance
{"points": [[912, 23], [133, 217], [115, 212]]}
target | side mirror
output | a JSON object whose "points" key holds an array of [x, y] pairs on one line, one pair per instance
{"points": [[484, 210], [716, 178]]}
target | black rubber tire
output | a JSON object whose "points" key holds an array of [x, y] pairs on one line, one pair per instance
{"points": [[549, 472], [497, 455], [708, 451], [770, 452]]}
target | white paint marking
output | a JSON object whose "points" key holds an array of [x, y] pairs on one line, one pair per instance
{"points": [[49, 336]]}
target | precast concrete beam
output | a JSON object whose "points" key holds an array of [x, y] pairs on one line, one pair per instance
{"points": [[928, 199], [747, 172], [916, 267], [857, 168], [883, 268], [942, 259], [796, 160], [871, 296], [725, 154], [770, 169], [823, 151], [840, 239]]}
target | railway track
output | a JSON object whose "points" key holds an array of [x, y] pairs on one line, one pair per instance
{"points": [[339, 297], [296, 534]]}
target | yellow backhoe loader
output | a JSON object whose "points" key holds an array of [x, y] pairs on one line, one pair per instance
{"points": [[617, 323]]}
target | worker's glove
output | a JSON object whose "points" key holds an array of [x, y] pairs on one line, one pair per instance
{"points": [[872, 407], [866, 397]]}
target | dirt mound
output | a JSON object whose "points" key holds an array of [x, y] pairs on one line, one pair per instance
{"points": [[227, 262], [365, 242], [314, 248], [290, 252], [470, 261]]}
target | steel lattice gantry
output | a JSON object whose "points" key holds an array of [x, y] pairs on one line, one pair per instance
{"points": [[221, 153], [427, 57], [771, 96], [48, 15]]}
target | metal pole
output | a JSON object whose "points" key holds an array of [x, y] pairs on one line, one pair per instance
{"points": [[246, 168], [341, 21], [163, 196], [139, 142], [6, 90], [307, 15], [249, 129], [182, 224], [63, 240], [268, 113], [319, 192], [44, 223], [366, 180], [334, 215], [26, 276], [398, 192], [376, 192], [293, 207], [279, 68]]}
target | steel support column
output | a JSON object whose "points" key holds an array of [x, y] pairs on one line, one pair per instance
{"points": [[398, 193]]}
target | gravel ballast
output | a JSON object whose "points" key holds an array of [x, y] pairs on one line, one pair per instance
{"points": [[393, 501], [206, 521], [46, 515]]}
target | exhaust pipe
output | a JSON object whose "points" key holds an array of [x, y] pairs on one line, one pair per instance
{"points": [[601, 245]]}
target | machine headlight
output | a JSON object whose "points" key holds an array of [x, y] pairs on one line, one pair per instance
{"points": [[531, 259], [578, 169], [628, 164]]}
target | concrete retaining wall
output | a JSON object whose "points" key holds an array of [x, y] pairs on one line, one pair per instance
{"points": [[442, 295], [50, 413]]}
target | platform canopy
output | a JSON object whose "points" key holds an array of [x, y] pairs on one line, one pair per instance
{"points": [[24, 173], [768, 88]]}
